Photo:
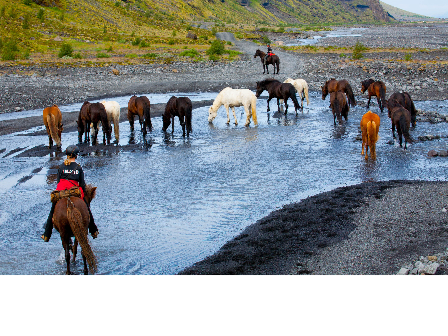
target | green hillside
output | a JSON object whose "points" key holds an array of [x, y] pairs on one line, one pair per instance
{"points": [[107, 29]]}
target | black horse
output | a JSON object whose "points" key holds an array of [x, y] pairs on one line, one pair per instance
{"points": [[339, 106], [401, 119], [93, 113], [180, 107], [271, 59], [278, 90], [404, 99]]}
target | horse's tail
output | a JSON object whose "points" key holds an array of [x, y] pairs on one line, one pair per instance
{"points": [[305, 90], [188, 116], [253, 106], [53, 130], [350, 95], [405, 128], [75, 220], [412, 109], [147, 114], [372, 134]]}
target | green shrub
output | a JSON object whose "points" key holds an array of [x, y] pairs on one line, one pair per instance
{"points": [[171, 42], [66, 50], [131, 56], [150, 55], [102, 55], [109, 49], [174, 33], [265, 40], [26, 54], [77, 55], [214, 31], [27, 2], [342, 55], [357, 50], [136, 41], [144, 44], [216, 48], [26, 22], [213, 58], [10, 51], [408, 57], [2, 11], [190, 53], [40, 14]]}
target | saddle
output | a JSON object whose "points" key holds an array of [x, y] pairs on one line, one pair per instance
{"points": [[56, 195]]}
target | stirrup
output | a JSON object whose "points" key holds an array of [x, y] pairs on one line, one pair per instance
{"points": [[95, 234], [45, 238]]}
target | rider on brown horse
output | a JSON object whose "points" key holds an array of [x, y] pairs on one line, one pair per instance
{"points": [[70, 174], [269, 53]]}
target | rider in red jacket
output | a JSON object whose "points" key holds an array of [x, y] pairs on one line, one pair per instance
{"points": [[70, 174], [267, 54]]}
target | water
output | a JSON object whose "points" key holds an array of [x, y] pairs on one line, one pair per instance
{"points": [[175, 201], [342, 32]]}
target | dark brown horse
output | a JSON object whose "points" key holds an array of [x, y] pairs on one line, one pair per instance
{"points": [[401, 119], [53, 123], [404, 99], [93, 113], [180, 107], [141, 107], [71, 218], [333, 85], [377, 89], [339, 106], [278, 90], [271, 59]]}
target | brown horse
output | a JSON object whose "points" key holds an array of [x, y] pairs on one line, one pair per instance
{"points": [[140, 106], [278, 90], [271, 59], [333, 85], [339, 106], [53, 123], [370, 125], [401, 119], [404, 99], [98, 114], [84, 122], [180, 107], [71, 218], [377, 89]]}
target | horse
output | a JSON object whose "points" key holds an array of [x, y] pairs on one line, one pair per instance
{"points": [[113, 115], [278, 90], [339, 106], [271, 59], [180, 107], [234, 98], [377, 89], [84, 122], [141, 107], [370, 125], [333, 85], [53, 123], [98, 114], [71, 218], [401, 119], [301, 87], [404, 99]]}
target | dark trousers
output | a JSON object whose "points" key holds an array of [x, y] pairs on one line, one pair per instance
{"points": [[49, 226]]}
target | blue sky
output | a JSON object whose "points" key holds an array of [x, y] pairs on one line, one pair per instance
{"points": [[433, 8]]}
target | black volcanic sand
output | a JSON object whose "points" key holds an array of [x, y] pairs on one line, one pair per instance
{"points": [[369, 228]]}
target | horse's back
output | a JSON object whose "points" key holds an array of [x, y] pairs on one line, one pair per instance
{"points": [[60, 218]]}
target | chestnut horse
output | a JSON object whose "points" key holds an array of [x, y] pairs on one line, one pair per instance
{"points": [[377, 89], [53, 123], [180, 107], [404, 99], [339, 106], [278, 90], [333, 85], [71, 218], [92, 113], [141, 107], [370, 125], [401, 119], [271, 59]]}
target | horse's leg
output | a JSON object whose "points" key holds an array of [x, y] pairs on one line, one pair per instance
{"points": [[269, 99], [75, 249], [67, 256], [172, 123], [86, 271], [234, 115], [278, 104], [227, 110], [286, 104], [267, 68], [246, 109], [95, 133], [131, 122], [368, 102], [379, 104], [393, 130]]}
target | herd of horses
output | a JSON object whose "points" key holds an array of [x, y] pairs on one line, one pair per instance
{"points": [[71, 216]]}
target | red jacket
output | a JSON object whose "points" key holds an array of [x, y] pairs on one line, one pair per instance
{"points": [[67, 184]]}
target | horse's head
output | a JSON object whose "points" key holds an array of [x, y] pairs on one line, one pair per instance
{"points": [[89, 193], [258, 53], [212, 113], [166, 121], [260, 89], [325, 90]]}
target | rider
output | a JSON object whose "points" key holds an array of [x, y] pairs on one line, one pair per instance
{"points": [[70, 174], [267, 54]]}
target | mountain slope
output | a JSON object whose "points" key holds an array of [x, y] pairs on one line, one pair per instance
{"points": [[403, 15]]}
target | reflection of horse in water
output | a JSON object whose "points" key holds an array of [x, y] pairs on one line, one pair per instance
{"points": [[401, 119], [180, 107], [271, 59], [301, 87], [140, 106], [339, 106], [333, 85], [233, 98], [278, 90], [377, 89], [370, 125], [53, 123], [404, 99], [71, 218]]}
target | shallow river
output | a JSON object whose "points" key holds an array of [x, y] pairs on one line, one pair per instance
{"points": [[175, 201]]}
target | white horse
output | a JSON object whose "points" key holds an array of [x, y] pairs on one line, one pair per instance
{"points": [[301, 87], [235, 97], [113, 115]]}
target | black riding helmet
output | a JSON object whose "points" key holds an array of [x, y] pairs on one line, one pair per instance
{"points": [[72, 150]]}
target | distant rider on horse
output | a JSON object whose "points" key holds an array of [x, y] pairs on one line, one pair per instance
{"points": [[267, 54], [70, 174]]}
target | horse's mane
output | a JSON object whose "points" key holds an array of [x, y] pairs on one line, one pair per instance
{"points": [[170, 105], [269, 80]]}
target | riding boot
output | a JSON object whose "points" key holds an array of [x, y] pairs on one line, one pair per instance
{"points": [[93, 229], [49, 226]]}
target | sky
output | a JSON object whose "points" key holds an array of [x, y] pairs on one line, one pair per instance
{"points": [[433, 8]]}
